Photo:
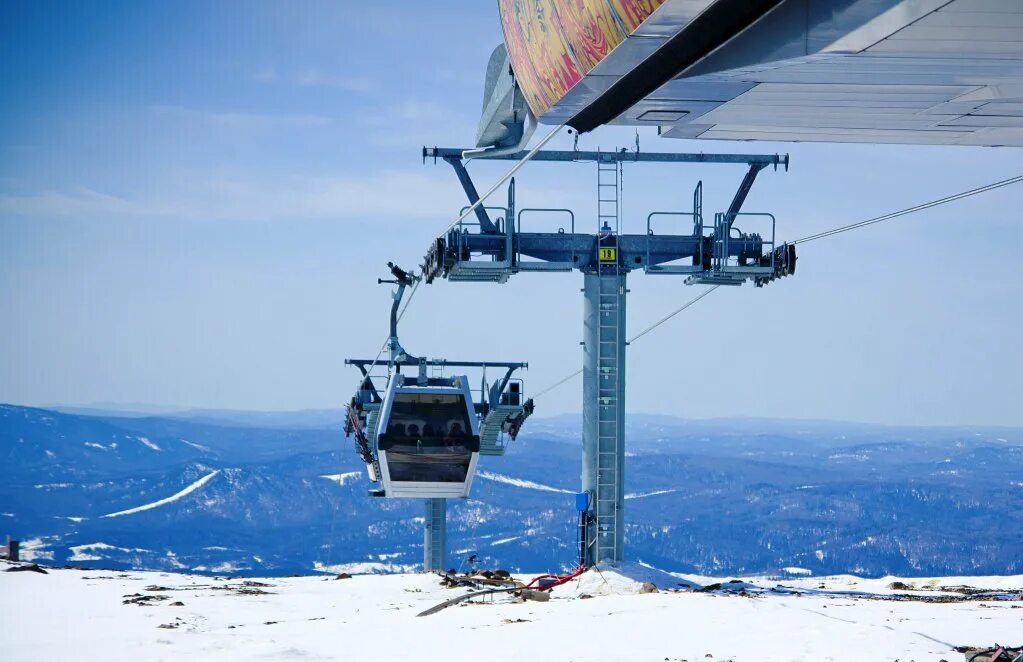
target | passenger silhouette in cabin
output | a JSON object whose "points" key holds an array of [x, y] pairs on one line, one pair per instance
{"points": [[454, 436]]}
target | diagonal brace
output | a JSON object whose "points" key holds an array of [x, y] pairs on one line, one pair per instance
{"points": [[486, 225], [740, 195]]}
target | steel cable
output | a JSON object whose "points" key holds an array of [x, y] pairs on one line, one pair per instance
{"points": [[465, 215], [632, 339], [820, 235], [910, 210], [508, 175], [671, 314]]}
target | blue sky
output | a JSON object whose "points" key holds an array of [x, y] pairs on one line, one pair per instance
{"points": [[196, 200]]}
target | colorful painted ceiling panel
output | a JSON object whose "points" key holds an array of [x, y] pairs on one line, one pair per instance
{"points": [[554, 43]]}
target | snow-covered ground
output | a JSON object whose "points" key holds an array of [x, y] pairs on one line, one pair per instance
{"points": [[104, 615]]}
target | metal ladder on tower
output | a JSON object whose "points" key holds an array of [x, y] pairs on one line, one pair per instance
{"points": [[608, 203], [435, 535], [609, 356]]}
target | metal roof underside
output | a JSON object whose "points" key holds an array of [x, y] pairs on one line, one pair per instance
{"points": [[880, 71]]}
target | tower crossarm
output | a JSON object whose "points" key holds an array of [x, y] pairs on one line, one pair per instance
{"points": [[620, 156], [734, 247], [728, 254]]}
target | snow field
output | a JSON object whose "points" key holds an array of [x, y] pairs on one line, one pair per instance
{"points": [[79, 614]]}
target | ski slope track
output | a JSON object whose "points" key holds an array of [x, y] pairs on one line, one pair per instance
{"points": [[171, 499], [104, 615], [343, 479], [520, 482]]}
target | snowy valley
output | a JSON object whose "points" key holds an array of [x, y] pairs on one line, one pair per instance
{"points": [[269, 496]]}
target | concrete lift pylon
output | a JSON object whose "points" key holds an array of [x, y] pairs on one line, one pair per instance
{"points": [[492, 250]]}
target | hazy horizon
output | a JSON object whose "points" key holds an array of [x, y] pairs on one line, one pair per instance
{"points": [[154, 410]]}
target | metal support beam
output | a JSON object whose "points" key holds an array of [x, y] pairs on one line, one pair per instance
{"points": [[740, 195], [703, 34], [435, 535], [604, 415], [486, 225], [438, 362], [451, 153]]}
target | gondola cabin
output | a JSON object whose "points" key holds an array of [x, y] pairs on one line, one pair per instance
{"points": [[427, 438]]}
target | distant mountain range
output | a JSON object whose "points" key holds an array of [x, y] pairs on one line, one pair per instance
{"points": [[304, 418], [276, 493]]}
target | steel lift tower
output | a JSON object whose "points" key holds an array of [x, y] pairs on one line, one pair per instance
{"points": [[717, 253]]}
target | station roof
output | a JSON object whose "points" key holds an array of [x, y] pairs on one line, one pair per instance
{"points": [[879, 71]]}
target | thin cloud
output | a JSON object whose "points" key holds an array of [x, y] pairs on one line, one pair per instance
{"points": [[419, 112], [241, 120], [266, 75], [316, 78], [412, 123], [423, 194], [78, 202], [429, 193]]}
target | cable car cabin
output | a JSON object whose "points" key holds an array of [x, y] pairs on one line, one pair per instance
{"points": [[422, 436], [427, 438]]}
